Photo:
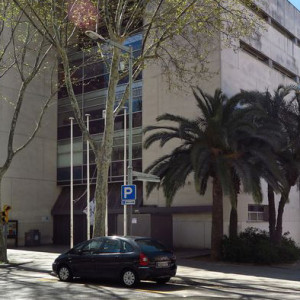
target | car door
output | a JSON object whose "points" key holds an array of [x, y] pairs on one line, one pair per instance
{"points": [[129, 256], [82, 259], [107, 260]]}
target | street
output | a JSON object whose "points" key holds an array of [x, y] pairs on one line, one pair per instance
{"points": [[29, 277]]}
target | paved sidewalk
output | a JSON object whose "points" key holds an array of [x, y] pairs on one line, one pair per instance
{"points": [[196, 276]]}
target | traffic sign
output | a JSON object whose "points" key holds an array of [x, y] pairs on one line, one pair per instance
{"points": [[128, 202], [128, 194]]}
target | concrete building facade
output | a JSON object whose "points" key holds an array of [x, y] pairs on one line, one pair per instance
{"points": [[271, 58], [38, 183], [29, 186]]}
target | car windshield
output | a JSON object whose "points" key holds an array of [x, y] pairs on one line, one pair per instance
{"points": [[148, 245]]}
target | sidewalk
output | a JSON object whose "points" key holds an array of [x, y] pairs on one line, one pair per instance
{"points": [[196, 276], [194, 258]]}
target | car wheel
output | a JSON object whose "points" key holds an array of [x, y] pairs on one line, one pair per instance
{"points": [[64, 273], [163, 280], [129, 278]]}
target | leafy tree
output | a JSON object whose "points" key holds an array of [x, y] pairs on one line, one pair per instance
{"points": [[282, 109], [176, 34], [19, 61], [216, 145]]}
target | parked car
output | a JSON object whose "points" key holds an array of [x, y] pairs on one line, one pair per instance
{"points": [[128, 259]]}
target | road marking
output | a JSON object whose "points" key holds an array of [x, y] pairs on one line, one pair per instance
{"points": [[48, 279], [150, 291]]}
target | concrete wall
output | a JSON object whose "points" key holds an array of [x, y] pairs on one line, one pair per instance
{"points": [[236, 70], [243, 71], [158, 99], [29, 185], [284, 13]]}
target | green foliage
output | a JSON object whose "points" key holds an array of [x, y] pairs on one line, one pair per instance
{"points": [[254, 246]]}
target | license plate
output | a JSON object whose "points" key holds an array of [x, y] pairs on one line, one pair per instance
{"points": [[162, 264]]}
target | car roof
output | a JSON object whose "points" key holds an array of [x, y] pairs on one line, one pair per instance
{"points": [[125, 237]]}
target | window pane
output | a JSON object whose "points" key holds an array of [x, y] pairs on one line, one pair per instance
{"points": [[126, 247], [111, 246]]}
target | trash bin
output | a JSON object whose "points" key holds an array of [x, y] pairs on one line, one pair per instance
{"points": [[33, 238]]}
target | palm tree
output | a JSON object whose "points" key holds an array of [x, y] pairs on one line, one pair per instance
{"points": [[282, 112], [213, 145]]}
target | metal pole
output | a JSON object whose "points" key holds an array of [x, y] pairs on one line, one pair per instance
{"points": [[130, 137], [125, 167], [71, 187], [88, 221]]}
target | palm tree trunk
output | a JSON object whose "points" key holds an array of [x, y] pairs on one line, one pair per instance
{"points": [[278, 230], [272, 213], [217, 220], [233, 223]]}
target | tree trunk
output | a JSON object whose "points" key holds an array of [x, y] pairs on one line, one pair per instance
{"points": [[217, 220], [278, 230], [233, 223], [272, 213], [3, 249], [101, 200], [103, 155]]}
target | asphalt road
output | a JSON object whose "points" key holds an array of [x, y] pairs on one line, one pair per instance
{"points": [[29, 277]]}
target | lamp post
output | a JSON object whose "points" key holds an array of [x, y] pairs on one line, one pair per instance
{"points": [[88, 221], [97, 37], [71, 187]]}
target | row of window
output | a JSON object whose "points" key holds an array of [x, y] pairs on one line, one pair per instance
{"points": [[268, 61], [116, 173], [275, 24], [97, 126]]}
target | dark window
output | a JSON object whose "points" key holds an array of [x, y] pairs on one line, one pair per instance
{"points": [[117, 168], [111, 246], [258, 212], [94, 113], [126, 247], [65, 132], [137, 165], [94, 70], [97, 83], [93, 246], [63, 174], [148, 245], [137, 119]]}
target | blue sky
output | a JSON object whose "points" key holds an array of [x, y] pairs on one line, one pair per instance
{"points": [[296, 3]]}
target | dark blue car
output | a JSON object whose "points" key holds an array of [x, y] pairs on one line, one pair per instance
{"points": [[128, 259]]}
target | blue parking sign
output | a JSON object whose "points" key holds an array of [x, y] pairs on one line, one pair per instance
{"points": [[128, 192]]}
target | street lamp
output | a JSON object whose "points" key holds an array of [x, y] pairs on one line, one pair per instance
{"points": [[97, 37], [71, 187], [88, 221]]}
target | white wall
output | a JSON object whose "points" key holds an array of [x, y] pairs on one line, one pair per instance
{"points": [[29, 185]]}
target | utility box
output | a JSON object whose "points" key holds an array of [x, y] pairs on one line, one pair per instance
{"points": [[33, 238]]}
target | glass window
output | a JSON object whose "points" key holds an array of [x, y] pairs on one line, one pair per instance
{"points": [[126, 247], [95, 69], [93, 246], [257, 212], [111, 246], [148, 245], [117, 168]]}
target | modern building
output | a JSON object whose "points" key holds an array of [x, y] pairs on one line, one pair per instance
{"points": [[261, 63]]}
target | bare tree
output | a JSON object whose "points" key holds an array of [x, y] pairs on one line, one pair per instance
{"points": [[177, 34], [24, 54]]}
